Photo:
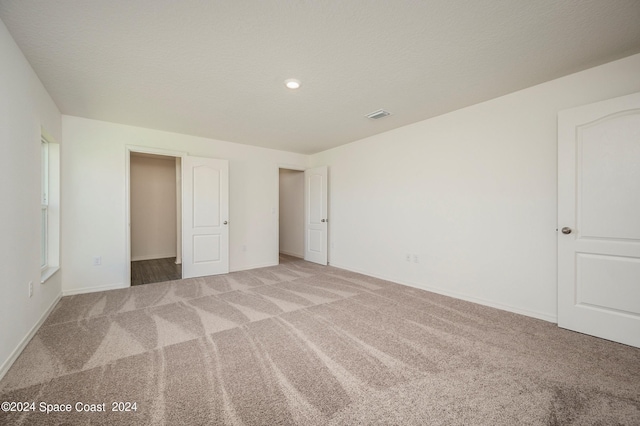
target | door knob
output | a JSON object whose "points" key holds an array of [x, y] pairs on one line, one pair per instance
{"points": [[566, 230], [323, 220], [225, 222]]}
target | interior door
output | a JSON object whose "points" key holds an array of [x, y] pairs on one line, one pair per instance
{"points": [[205, 217], [315, 213], [599, 219]]}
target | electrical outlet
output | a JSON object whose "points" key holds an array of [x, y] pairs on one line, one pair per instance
{"points": [[408, 258], [415, 259], [97, 260], [30, 288]]}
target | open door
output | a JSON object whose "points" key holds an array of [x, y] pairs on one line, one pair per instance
{"points": [[205, 217], [599, 219], [315, 213]]}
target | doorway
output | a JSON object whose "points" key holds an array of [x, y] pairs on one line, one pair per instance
{"points": [[155, 207], [291, 208]]}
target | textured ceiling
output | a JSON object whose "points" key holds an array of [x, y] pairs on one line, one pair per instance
{"points": [[216, 68]]}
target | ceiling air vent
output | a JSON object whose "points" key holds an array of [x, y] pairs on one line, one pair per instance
{"points": [[375, 115]]}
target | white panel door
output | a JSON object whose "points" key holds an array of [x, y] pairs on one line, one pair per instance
{"points": [[205, 216], [315, 213], [599, 219]]}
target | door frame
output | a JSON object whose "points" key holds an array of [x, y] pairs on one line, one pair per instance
{"points": [[127, 211], [276, 209]]}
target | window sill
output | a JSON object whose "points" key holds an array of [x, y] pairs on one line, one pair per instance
{"points": [[48, 273]]}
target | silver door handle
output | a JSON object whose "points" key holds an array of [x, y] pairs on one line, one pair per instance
{"points": [[566, 230], [323, 220], [225, 222]]}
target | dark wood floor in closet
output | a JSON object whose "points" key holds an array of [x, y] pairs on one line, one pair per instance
{"points": [[155, 271]]}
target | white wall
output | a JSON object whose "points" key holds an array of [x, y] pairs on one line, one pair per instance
{"points": [[153, 207], [292, 212], [25, 106], [472, 193], [93, 200]]}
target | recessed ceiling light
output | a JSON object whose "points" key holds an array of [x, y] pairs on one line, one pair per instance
{"points": [[292, 83]]}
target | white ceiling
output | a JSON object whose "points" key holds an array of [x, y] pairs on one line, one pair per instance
{"points": [[216, 68]]}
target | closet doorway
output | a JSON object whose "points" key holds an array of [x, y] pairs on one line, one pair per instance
{"points": [[291, 217], [155, 217]]}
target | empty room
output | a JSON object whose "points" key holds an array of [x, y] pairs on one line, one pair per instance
{"points": [[320, 212]]}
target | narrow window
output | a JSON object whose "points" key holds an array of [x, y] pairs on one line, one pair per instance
{"points": [[44, 203]]}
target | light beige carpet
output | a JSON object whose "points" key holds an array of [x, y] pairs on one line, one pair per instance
{"points": [[304, 344]]}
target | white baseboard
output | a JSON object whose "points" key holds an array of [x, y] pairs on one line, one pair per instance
{"points": [[255, 266], [152, 257], [23, 343], [289, 253], [526, 312], [84, 290]]}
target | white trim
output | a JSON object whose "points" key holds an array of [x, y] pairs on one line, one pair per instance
{"points": [[526, 312], [44, 203], [291, 167], [48, 273], [153, 256], [23, 343], [44, 243], [47, 136], [289, 253], [128, 149], [256, 266], [116, 286], [178, 211]]}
